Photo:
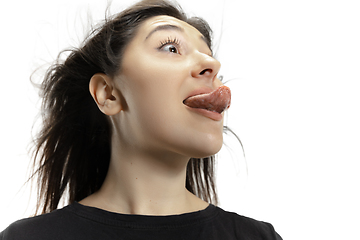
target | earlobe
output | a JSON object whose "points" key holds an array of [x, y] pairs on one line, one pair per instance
{"points": [[104, 94]]}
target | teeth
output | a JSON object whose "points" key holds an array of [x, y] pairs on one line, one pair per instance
{"points": [[216, 101]]}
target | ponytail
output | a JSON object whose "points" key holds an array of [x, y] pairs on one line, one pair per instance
{"points": [[73, 148]]}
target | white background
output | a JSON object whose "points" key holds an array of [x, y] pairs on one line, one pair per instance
{"points": [[295, 67]]}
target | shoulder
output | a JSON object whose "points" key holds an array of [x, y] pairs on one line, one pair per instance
{"points": [[46, 226], [246, 226]]}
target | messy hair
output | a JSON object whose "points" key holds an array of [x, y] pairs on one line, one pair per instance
{"points": [[72, 149]]}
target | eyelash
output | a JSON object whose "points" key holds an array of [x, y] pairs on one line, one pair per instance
{"points": [[176, 42]]}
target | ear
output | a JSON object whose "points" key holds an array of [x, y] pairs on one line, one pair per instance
{"points": [[105, 95]]}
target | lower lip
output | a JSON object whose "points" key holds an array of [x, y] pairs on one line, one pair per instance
{"points": [[212, 115]]}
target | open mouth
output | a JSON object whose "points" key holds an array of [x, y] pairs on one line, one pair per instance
{"points": [[215, 101]]}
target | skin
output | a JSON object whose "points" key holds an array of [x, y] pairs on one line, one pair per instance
{"points": [[154, 133]]}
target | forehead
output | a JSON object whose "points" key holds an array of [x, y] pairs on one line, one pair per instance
{"points": [[152, 23]]}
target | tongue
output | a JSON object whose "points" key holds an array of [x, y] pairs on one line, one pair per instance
{"points": [[216, 101]]}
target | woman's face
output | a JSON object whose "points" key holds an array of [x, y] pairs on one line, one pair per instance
{"points": [[166, 62]]}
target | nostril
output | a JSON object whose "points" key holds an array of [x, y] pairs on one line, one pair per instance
{"points": [[205, 70]]}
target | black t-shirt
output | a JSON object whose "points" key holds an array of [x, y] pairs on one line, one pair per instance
{"points": [[78, 222]]}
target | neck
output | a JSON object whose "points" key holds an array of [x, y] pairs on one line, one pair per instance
{"points": [[144, 183]]}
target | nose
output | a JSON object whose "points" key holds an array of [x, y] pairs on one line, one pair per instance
{"points": [[206, 67]]}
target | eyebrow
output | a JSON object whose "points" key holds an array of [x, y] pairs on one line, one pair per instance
{"points": [[176, 28], [165, 27]]}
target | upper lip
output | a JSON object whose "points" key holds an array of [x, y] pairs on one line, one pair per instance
{"points": [[199, 91]]}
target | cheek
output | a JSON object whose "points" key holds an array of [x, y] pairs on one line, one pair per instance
{"points": [[156, 95], [156, 88], [153, 96]]}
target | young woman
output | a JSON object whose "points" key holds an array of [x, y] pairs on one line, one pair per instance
{"points": [[132, 120]]}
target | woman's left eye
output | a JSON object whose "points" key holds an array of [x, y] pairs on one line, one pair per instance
{"points": [[170, 48], [170, 45]]}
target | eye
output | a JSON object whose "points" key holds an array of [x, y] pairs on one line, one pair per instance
{"points": [[170, 48], [171, 45]]}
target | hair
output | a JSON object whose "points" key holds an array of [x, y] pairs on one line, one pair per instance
{"points": [[72, 150]]}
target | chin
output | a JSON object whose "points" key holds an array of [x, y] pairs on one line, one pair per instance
{"points": [[207, 150], [208, 153]]}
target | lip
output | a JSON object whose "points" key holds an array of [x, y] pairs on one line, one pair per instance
{"points": [[206, 113]]}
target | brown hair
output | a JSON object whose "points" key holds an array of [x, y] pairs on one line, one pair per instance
{"points": [[72, 151]]}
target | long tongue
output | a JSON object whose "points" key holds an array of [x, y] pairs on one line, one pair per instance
{"points": [[216, 101]]}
